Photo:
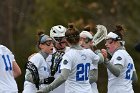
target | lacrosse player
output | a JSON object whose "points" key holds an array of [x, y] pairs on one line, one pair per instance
{"points": [[9, 70], [75, 66], [37, 69], [121, 69], [87, 43], [57, 33]]}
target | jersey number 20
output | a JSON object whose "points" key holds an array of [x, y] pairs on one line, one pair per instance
{"points": [[6, 63], [128, 72], [82, 71]]}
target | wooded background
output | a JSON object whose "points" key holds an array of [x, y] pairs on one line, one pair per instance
{"points": [[21, 19]]}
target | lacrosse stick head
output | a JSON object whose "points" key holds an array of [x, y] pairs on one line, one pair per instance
{"points": [[100, 34]]}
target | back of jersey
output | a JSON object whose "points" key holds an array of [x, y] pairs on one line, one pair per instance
{"points": [[7, 81], [79, 63]]}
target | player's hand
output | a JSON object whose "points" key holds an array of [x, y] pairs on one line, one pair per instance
{"points": [[42, 91], [46, 89], [28, 76], [104, 53], [39, 91], [49, 80]]}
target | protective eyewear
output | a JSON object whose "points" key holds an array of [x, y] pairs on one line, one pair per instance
{"points": [[108, 41], [60, 39], [86, 40], [49, 42]]}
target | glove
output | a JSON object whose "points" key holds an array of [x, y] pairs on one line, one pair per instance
{"points": [[44, 90], [97, 51], [106, 62], [56, 59], [41, 91], [49, 80]]}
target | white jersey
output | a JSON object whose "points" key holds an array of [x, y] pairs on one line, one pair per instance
{"points": [[79, 63], [123, 83], [94, 87], [61, 88], [7, 81], [43, 70]]}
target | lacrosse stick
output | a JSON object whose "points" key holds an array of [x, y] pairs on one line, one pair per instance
{"points": [[100, 34], [56, 59]]}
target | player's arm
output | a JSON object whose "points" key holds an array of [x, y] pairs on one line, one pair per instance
{"points": [[93, 75], [28, 76], [134, 77], [101, 57], [114, 69], [57, 82], [32, 74], [16, 69]]}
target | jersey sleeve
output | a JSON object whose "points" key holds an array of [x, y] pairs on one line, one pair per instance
{"points": [[11, 55], [94, 66], [66, 63], [94, 57], [118, 58]]}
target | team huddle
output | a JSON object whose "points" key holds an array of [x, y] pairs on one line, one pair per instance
{"points": [[67, 62]]}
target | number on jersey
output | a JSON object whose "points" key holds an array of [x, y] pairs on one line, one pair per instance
{"points": [[129, 71], [82, 71], [7, 62]]}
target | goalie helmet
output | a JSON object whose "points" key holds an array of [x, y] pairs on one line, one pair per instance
{"points": [[57, 31]]}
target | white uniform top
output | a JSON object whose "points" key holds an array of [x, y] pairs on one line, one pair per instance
{"points": [[94, 88], [61, 88], [7, 81], [79, 63], [123, 83], [43, 70]]}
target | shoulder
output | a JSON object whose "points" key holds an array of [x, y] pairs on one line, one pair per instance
{"points": [[120, 54], [4, 49], [89, 52], [36, 56], [70, 52], [37, 59], [67, 49]]}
